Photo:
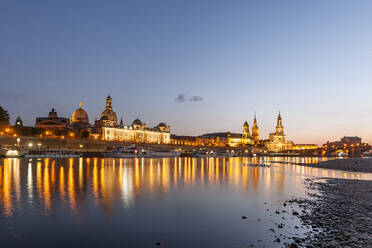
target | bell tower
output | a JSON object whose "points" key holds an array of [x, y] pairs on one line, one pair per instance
{"points": [[246, 134], [255, 131], [108, 103], [279, 125]]}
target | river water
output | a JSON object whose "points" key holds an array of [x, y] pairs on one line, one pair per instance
{"points": [[181, 202]]}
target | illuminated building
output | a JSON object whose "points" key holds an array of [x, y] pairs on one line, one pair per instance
{"points": [[233, 139], [277, 142], [108, 116], [80, 122], [246, 135], [138, 132], [80, 116], [52, 122], [299, 147], [198, 141], [255, 132], [350, 145]]}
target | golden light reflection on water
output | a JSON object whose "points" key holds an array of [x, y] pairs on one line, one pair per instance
{"points": [[106, 182]]}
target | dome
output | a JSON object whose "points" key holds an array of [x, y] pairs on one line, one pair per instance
{"points": [[245, 124], [162, 124], [137, 122], [80, 115]]}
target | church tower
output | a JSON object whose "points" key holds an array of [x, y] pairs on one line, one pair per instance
{"points": [[279, 126], [255, 131], [246, 134], [108, 103], [108, 116]]}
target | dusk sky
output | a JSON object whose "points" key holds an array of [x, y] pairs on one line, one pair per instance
{"points": [[312, 60]]}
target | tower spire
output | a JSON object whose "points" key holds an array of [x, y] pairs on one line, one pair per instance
{"points": [[279, 125], [255, 131]]}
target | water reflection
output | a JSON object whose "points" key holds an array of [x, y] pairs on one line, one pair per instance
{"points": [[106, 181]]}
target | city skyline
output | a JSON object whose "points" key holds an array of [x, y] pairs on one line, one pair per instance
{"points": [[199, 67]]}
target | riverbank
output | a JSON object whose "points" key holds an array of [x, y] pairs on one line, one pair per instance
{"points": [[351, 164], [339, 213]]}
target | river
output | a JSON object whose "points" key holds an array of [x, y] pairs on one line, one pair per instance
{"points": [[181, 202]]}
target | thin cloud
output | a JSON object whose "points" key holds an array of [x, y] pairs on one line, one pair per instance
{"points": [[196, 99], [181, 98]]}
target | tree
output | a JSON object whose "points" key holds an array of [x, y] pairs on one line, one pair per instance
{"points": [[4, 117]]}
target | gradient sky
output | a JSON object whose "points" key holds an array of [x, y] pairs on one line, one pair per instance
{"points": [[312, 60]]}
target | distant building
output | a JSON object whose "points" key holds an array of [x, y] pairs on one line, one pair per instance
{"points": [[52, 122], [300, 147], [237, 139], [108, 117], [255, 132], [184, 140], [276, 141], [203, 140], [351, 140], [80, 122], [350, 145], [18, 122], [137, 132]]}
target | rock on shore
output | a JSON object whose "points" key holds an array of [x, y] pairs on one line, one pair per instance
{"points": [[339, 213]]}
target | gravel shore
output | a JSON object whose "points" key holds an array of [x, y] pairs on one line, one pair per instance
{"points": [[339, 214], [351, 164]]}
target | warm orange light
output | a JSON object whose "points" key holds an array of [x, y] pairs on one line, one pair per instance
{"points": [[7, 130], [62, 137]]}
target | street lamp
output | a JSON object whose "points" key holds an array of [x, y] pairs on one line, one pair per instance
{"points": [[18, 141]]}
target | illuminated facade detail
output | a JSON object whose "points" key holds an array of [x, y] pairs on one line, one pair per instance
{"points": [[299, 147], [108, 116], [80, 122], [138, 134], [52, 122], [255, 131], [80, 116], [198, 141], [246, 135], [232, 139], [277, 142]]}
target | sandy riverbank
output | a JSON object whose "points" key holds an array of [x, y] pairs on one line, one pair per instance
{"points": [[339, 214], [351, 164]]}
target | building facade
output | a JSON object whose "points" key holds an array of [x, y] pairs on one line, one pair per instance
{"points": [[80, 122], [108, 128], [52, 122], [255, 132], [276, 141], [232, 139], [137, 134], [108, 117]]}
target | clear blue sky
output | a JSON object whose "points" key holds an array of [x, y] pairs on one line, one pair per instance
{"points": [[310, 59]]}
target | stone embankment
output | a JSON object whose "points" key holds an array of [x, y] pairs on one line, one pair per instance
{"points": [[352, 164], [338, 213]]}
